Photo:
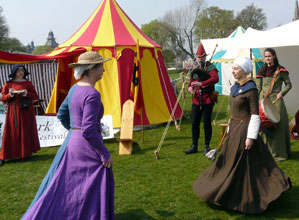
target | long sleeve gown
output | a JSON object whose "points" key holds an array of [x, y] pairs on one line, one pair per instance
{"points": [[20, 136], [77, 185], [242, 180]]}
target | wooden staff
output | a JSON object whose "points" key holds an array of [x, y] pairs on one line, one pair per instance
{"points": [[211, 155]]}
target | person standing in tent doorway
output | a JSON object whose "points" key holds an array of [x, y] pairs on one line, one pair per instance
{"points": [[20, 136], [80, 182], [269, 81], [203, 78]]}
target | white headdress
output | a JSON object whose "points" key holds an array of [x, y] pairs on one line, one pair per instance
{"points": [[245, 63]]}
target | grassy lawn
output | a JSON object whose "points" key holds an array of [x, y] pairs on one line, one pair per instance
{"points": [[147, 188]]}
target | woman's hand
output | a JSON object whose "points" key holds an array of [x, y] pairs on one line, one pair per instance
{"points": [[190, 89], [11, 92], [24, 92], [248, 143], [194, 84], [108, 163], [279, 96]]}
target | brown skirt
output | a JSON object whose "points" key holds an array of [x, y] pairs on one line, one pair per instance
{"points": [[242, 180]]}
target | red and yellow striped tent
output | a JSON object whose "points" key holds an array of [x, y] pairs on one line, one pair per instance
{"points": [[135, 58]]}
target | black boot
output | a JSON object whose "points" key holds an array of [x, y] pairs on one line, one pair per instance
{"points": [[206, 149], [2, 162], [192, 149]]}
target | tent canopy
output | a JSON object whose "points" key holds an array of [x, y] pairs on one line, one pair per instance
{"points": [[283, 39], [135, 57], [223, 60], [110, 32], [108, 26]]}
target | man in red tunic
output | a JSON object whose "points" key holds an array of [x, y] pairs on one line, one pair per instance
{"points": [[203, 78]]}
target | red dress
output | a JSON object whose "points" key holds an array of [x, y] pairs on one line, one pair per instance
{"points": [[20, 137]]}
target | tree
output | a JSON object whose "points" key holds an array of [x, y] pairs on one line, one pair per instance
{"points": [[169, 57], [157, 33], [3, 30], [160, 35], [13, 45], [214, 22], [6, 43], [253, 17], [180, 23], [42, 49]]}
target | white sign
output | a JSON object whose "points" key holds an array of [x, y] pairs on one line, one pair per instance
{"points": [[52, 133]]}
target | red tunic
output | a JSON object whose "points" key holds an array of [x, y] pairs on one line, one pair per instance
{"points": [[20, 137], [210, 82]]}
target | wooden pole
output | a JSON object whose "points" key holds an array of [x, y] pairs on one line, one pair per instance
{"points": [[251, 74], [142, 128]]}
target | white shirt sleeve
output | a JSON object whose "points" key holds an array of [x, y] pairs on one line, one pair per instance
{"points": [[253, 127]]}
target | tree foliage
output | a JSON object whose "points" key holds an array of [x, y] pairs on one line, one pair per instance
{"points": [[169, 57], [180, 23], [214, 22], [3, 30], [6, 43], [42, 49], [181, 29], [253, 17], [156, 31], [14, 45]]}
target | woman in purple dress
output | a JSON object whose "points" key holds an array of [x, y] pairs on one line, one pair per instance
{"points": [[80, 182]]}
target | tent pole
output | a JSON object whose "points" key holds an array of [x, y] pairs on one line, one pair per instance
{"points": [[142, 128], [251, 61]]}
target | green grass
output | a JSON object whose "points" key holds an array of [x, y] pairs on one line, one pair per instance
{"points": [[147, 188]]}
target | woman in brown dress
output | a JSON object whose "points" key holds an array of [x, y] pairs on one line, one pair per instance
{"points": [[245, 176]]}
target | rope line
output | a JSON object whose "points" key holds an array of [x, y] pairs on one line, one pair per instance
{"points": [[169, 121]]}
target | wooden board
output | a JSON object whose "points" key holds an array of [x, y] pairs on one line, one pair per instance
{"points": [[126, 131]]}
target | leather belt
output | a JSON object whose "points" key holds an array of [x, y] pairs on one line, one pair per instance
{"points": [[240, 119], [75, 128]]}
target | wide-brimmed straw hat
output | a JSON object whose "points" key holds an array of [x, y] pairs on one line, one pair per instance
{"points": [[88, 58]]}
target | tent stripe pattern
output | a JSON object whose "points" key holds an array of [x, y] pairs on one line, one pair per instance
{"points": [[111, 33], [109, 20], [238, 32], [224, 59]]}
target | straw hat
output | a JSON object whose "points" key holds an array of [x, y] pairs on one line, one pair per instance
{"points": [[89, 58]]}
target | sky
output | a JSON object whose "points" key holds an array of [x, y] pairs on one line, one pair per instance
{"points": [[31, 20]]}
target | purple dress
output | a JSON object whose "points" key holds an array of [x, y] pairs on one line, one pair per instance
{"points": [[77, 185]]}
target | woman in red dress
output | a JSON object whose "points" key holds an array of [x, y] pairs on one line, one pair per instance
{"points": [[20, 137]]}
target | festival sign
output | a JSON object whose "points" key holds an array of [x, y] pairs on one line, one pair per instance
{"points": [[52, 133]]}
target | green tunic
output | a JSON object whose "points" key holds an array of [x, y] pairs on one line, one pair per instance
{"points": [[280, 146]]}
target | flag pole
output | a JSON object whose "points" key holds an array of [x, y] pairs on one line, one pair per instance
{"points": [[142, 129], [138, 64]]}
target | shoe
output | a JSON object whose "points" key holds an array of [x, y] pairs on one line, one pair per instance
{"points": [[2, 162], [206, 149], [192, 150]]}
